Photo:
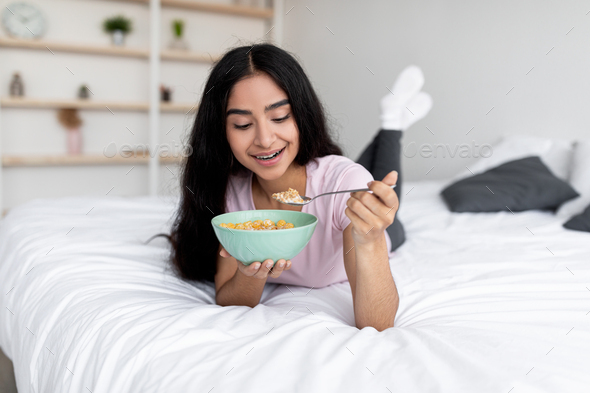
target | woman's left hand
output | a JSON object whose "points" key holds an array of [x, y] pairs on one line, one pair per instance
{"points": [[370, 213]]}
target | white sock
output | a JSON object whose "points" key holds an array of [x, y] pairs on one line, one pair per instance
{"points": [[406, 86], [394, 104], [402, 117], [416, 109]]}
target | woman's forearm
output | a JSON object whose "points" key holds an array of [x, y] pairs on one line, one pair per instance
{"points": [[240, 290], [376, 299]]}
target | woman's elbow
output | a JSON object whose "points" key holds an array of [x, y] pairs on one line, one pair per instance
{"points": [[377, 326], [224, 303]]}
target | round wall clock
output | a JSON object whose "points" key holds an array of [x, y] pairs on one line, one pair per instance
{"points": [[23, 20]]}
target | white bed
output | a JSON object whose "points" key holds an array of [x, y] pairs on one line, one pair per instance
{"points": [[489, 303]]}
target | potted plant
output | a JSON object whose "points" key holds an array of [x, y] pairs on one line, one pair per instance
{"points": [[117, 27], [177, 34]]}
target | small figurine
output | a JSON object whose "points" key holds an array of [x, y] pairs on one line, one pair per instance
{"points": [[83, 92], [165, 93], [17, 88]]}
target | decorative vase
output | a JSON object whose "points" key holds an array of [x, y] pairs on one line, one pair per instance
{"points": [[165, 94], [74, 140], [17, 88], [118, 37]]}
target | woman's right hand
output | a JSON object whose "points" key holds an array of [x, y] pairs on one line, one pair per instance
{"points": [[260, 270]]}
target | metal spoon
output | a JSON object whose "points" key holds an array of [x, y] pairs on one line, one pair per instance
{"points": [[307, 200]]}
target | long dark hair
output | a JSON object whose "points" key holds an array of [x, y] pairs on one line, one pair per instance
{"points": [[207, 171]]}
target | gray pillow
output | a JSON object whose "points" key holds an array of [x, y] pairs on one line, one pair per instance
{"points": [[580, 222], [518, 185]]}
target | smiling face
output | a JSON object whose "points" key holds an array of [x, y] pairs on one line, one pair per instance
{"points": [[260, 127]]}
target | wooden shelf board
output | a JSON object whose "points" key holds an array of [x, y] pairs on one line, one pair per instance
{"points": [[172, 160], [40, 103], [255, 12], [173, 107], [181, 55], [82, 159], [230, 9], [51, 46]]}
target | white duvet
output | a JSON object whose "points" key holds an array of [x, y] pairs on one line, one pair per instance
{"points": [[489, 303]]}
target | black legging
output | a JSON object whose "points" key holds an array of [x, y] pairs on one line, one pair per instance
{"points": [[382, 156]]}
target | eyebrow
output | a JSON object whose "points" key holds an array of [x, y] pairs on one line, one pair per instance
{"points": [[266, 108]]}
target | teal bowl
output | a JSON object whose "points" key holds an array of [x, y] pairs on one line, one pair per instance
{"points": [[257, 246]]}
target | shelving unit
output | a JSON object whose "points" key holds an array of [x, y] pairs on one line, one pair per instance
{"points": [[155, 54]]}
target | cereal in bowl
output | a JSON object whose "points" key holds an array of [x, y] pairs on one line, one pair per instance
{"points": [[259, 225]]}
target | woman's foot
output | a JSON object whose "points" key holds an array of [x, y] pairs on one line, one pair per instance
{"points": [[416, 109], [405, 104]]}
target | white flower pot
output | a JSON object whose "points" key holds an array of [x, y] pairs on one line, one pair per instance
{"points": [[118, 38], [178, 43]]}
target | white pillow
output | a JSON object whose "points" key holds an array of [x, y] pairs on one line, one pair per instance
{"points": [[555, 153], [579, 180]]}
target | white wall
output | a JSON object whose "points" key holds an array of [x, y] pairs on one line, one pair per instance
{"points": [[35, 131], [472, 53]]}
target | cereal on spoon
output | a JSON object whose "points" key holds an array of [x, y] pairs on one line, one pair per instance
{"points": [[289, 196]]}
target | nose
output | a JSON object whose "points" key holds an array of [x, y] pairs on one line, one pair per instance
{"points": [[265, 136]]}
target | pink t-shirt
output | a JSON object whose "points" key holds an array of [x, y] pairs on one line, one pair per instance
{"points": [[321, 262]]}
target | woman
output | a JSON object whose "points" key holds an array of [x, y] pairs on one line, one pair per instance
{"points": [[260, 129]]}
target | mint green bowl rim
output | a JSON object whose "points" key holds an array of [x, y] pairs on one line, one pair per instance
{"points": [[264, 210]]}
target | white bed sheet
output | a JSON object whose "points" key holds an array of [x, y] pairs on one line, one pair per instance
{"points": [[489, 303]]}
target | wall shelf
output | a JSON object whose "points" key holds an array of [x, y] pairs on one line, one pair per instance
{"points": [[48, 103], [253, 12], [93, 49], [31, 160], [154, 55]]}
